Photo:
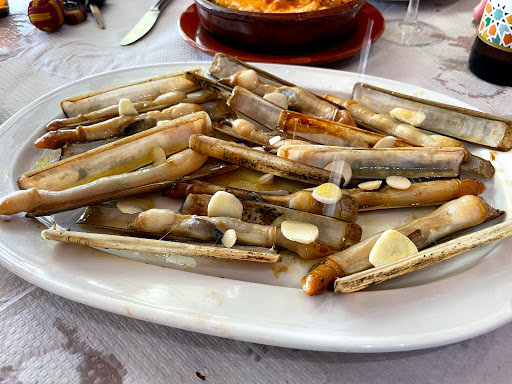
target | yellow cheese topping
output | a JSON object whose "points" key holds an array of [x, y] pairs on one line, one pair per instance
{"points": [[280, 6]]}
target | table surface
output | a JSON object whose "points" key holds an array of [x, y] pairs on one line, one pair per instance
{"points": [[48, 339]]}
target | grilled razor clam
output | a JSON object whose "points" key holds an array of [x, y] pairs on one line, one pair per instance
{"points": [[328, 132], [334, 233], [418, 194], [165, 221], [371, 163], [157, 247], [163, 101], [248, 130], [429, 256], [345, 209], [203, 227], [454, 216], [224, 66], [464, 124], [227, 129], [285, 142], [121, 156], [249, 104], [303, 101], [71, 150], [258, 160], [386, 124], [121, 125], [218, 110], [247, 78], [39, 202], [209, 85], [113, 187], [108, 217], [144, 90]]}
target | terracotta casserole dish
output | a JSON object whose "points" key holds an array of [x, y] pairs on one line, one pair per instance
{"points": [[278, 32]]}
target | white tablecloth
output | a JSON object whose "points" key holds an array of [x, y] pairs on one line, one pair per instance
{"points": [[45, 338]]}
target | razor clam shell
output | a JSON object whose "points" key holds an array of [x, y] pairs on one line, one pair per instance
{"points": [[372, 276], [107, 217], [148, 89], [304, 101], [117, 157], [223, 66], [187, 227], [205, 83], [446, 221], [228, 131], [455, 216], [203, 227], [435, 192], [258, 160], [209, 169], [334, 233], [256, 107], [345, 209], [369, 163], [462, 123], [197, 97], [74, 149], [158, 246], [328, 132]]}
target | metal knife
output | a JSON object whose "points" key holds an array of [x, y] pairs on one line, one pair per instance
{"points": [[145, 23], [95, 10]]}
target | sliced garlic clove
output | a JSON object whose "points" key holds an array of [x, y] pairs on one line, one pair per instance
{"points": [[385, 142], [370, 185], [327, 193], [135, 205], [229, 238], [274, 140], [304, 233], [158, 156], [266, 179], [162, 122], [277, 98], [398, 182], [341, 167], [224, 204], [391, 246], [126, 108], [408, 116]]}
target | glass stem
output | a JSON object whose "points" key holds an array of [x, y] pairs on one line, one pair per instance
{"points": [[412, 12]]}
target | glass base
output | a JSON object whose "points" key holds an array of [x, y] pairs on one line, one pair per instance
{"points": [[412, 35]]}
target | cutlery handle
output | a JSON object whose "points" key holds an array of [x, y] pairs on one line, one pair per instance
{"points": [[160, 5]]}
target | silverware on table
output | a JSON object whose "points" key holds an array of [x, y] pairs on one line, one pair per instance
{"points": [[145, 23], [93, 6]]}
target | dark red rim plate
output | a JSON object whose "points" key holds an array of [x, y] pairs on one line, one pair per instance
{"points": [[195, 35]]}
